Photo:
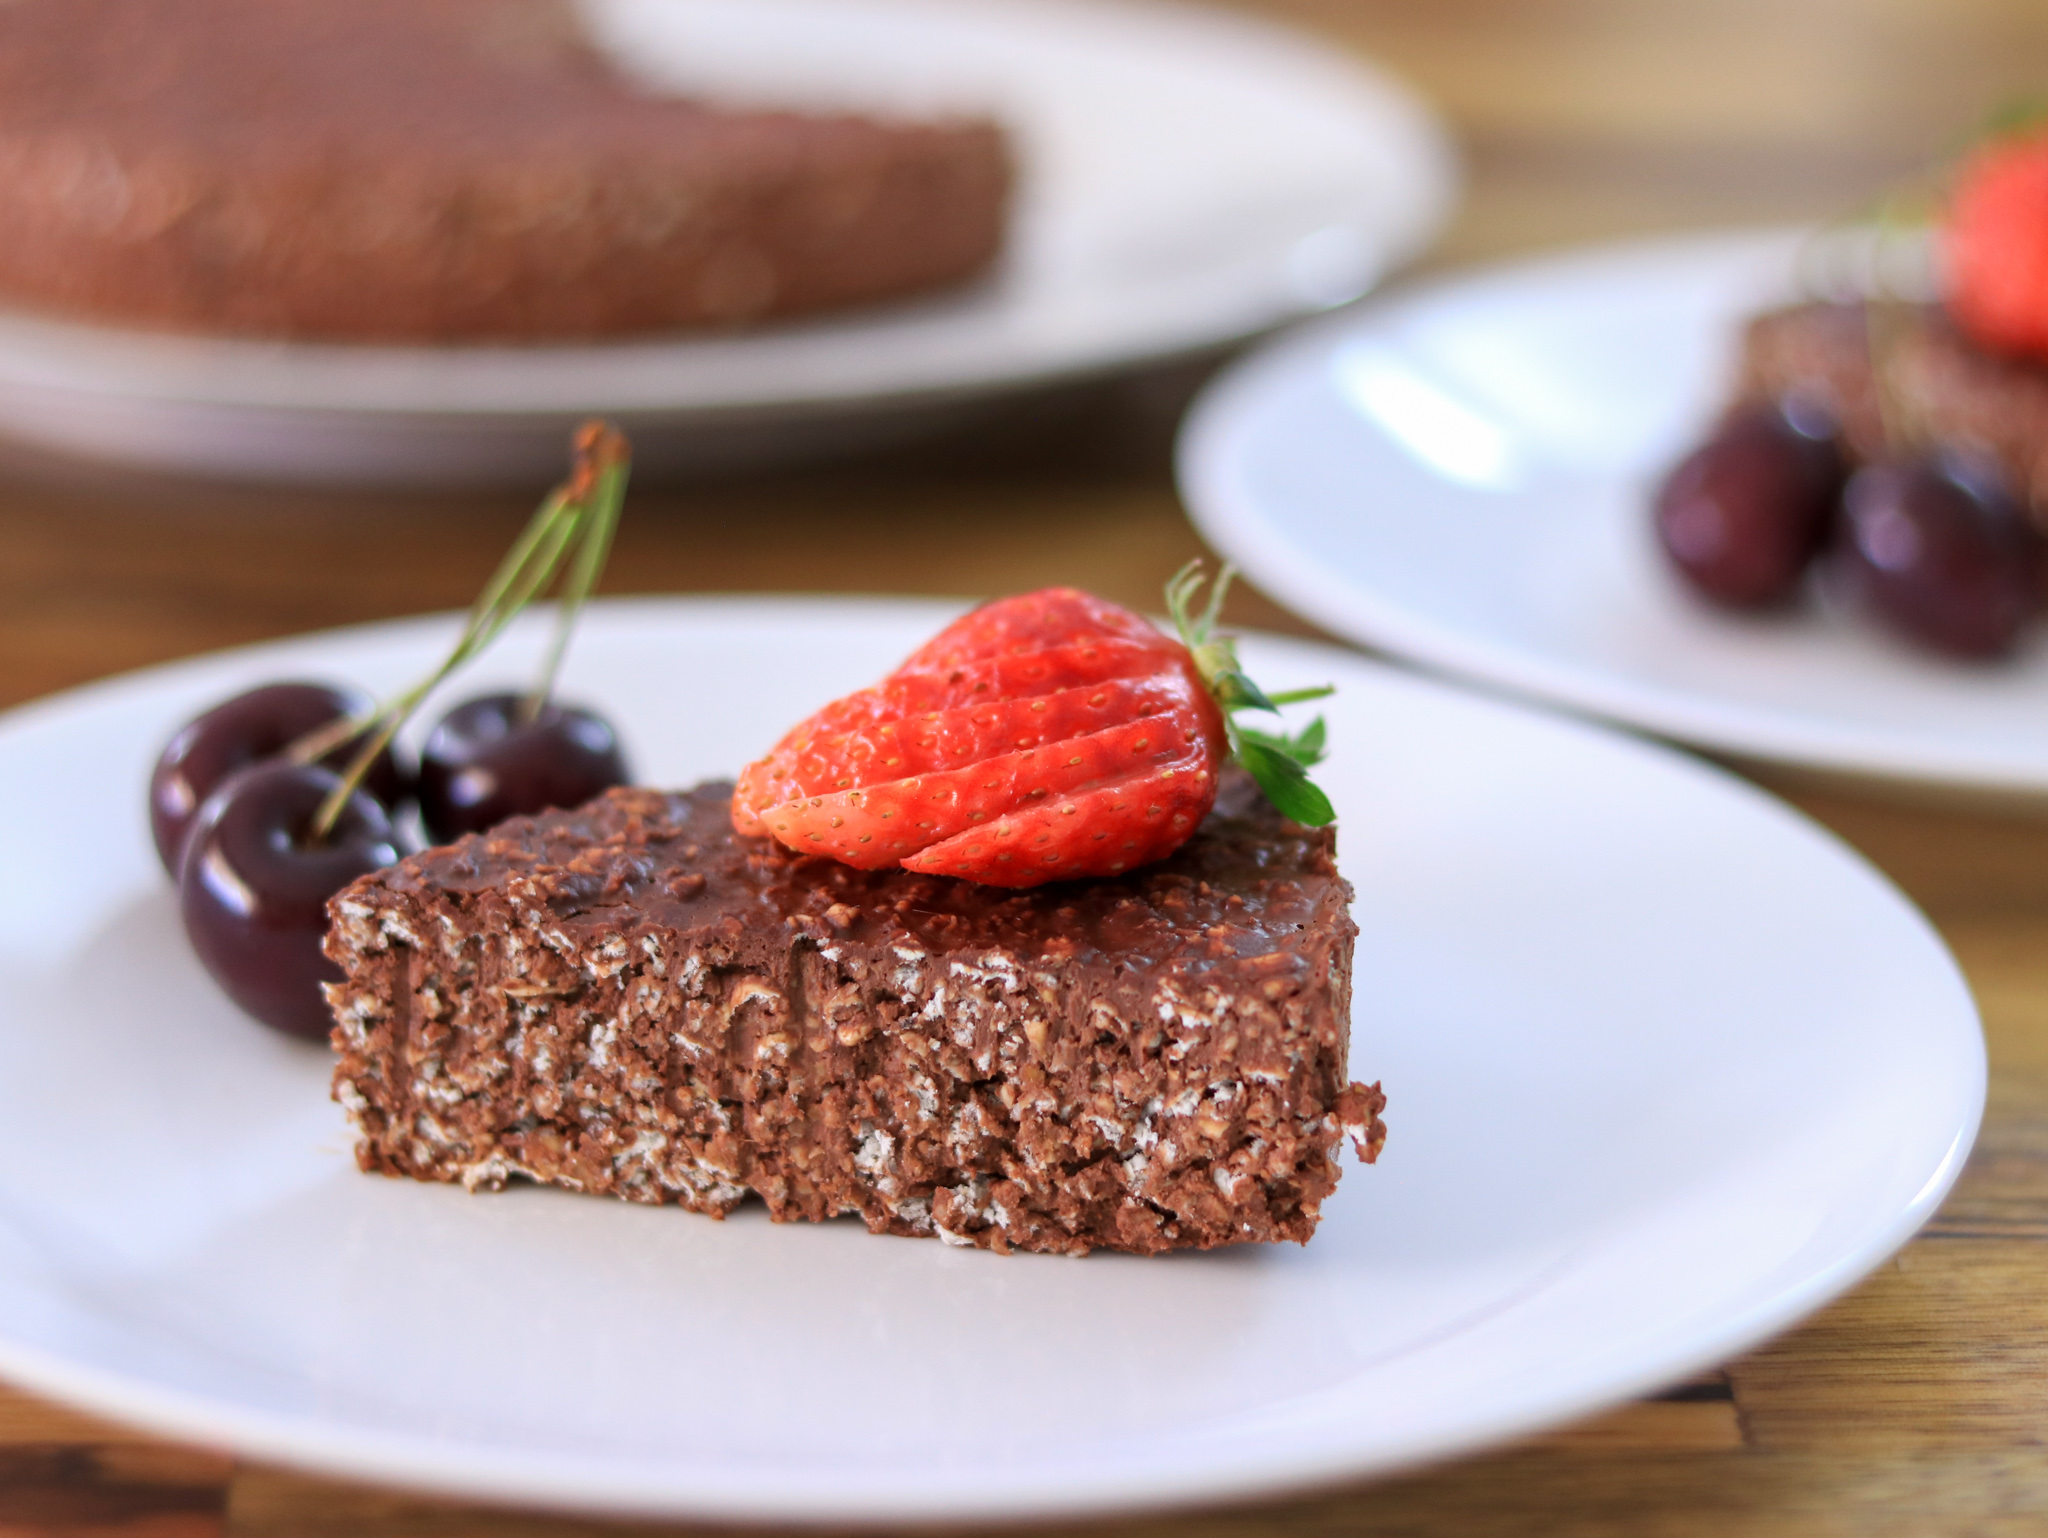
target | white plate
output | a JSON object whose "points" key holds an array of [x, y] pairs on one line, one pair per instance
{"points": [[1188, 178], [1461, 475], [1667, 1067]]}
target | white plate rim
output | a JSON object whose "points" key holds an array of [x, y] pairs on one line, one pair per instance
{"points": [[598, 1487]]}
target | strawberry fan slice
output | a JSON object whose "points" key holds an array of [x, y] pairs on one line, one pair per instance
{"points": [[1043, 737]]}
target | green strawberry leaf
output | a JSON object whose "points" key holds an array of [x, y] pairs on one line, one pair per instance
{"points": [[1301, 696], [1286, 784], [1306, 747], [1279, 762], [1234, 691], [2015, 115], [1310, 746]]}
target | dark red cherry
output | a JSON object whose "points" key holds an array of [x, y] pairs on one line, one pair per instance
{"points": [[253, 887], [485, 762], [1938, 551], [1745, 513], [242, 731]]}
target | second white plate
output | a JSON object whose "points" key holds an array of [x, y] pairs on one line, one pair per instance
{"points": [[1461, 475], [1667, 1067]]}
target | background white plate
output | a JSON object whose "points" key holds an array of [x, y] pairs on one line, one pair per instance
{"points": [[1668, 1067], [1462, 475], [1188, 178]]}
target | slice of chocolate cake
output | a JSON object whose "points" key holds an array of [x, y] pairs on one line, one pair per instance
{"points": [[633, 999], [1940, 385]]}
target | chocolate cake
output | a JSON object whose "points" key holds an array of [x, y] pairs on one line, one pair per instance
{"points": [[633, 999], [436, 170], [1947, 388]]}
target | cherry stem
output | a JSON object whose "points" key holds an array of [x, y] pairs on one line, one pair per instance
{"points": [[323, 740], [580, 514], [606, 456]]}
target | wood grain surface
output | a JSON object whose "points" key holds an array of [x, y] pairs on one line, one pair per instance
{"points": [[1918, 1404]]}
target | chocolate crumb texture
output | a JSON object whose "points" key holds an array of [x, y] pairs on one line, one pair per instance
{"points": [[631, 999]]}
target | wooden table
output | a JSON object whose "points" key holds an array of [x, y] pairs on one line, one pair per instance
{"points": [[1919, 1404]]}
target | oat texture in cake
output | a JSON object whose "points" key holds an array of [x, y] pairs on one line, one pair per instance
{"points": [[633, 999]]}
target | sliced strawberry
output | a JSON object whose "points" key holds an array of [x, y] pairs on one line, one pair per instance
{"points": [[1049, 695], [1100, 832], [946, 739], [1040, 737], [885, 824], [809, 759], [1050, 617], [1015, 674]]}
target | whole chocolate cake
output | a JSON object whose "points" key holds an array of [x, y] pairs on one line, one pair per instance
{"points": [[434, 170], [633, 999]]}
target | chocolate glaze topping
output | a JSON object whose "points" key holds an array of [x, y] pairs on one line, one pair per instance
{"points": [[633, 998]]}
